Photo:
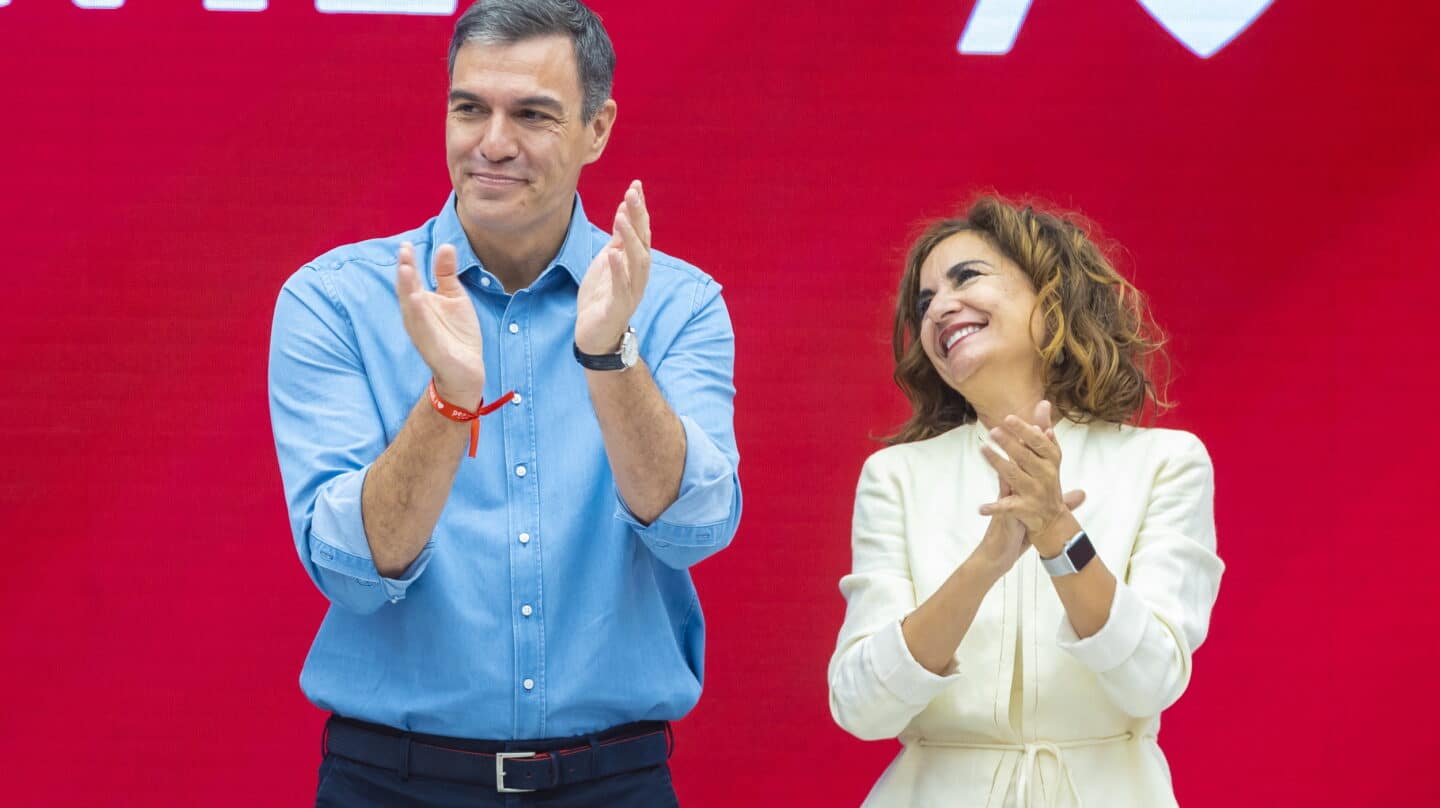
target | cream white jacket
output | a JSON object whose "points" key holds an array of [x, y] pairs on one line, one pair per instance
{"points": [[1028, 713]]}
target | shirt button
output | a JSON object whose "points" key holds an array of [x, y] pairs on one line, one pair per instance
{"points": [[524, 538], [484, 281], [520, 470], [514, 328], [528, 684], [517, 399], [526, 610]]}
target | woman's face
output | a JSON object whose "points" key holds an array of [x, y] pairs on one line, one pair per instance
{"points": [[978, 321]]}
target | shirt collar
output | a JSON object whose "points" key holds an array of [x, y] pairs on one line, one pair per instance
{"points": [[574, 256]]}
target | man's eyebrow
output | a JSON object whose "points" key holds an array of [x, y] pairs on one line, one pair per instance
{"points": [[548, 102], [953, 273], [540, 101]]}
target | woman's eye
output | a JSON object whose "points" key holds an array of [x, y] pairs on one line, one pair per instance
{"points": [[922, 305]]}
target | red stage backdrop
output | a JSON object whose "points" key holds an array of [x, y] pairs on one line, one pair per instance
{"points": [[166, 166]]}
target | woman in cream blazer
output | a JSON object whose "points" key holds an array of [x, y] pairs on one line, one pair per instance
{"points": [[1021, 639]]}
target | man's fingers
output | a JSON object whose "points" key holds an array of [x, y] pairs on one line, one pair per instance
{"points": [[407, 280], [638, 212], [637, 256], [447, 272], [619, 272], [1074, 499], [409, 288], [412, 304]]}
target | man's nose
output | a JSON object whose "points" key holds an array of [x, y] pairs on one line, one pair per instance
{"points": [[498, 142]]}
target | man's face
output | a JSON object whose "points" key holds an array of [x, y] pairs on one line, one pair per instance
{"points": [[515, 139]]}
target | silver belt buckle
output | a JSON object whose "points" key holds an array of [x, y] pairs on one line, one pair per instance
{"points": [[500, 758]]}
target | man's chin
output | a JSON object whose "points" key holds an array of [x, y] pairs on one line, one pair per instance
{"points": [[486, 210]]}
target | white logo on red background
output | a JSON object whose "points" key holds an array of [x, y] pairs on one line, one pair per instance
{"points": [[1203, 26], [444, 7]]}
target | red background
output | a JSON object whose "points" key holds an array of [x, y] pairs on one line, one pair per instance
{"points": [[165, 168]]}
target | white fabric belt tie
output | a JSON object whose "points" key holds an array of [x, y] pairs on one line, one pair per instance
{"points": [[1030, 762]]}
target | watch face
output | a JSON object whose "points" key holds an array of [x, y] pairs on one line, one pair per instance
{"points": [[629, 351]]}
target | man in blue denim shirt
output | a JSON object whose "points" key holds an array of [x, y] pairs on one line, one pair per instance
{"points": [[523, 619]]}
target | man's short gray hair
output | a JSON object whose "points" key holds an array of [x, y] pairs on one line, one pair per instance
{"points": [[502, 22]]}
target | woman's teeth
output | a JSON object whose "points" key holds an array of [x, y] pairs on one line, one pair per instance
{"points": [[959, 335]]}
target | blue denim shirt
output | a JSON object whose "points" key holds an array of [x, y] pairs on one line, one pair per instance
{"points": [[540, 607]]}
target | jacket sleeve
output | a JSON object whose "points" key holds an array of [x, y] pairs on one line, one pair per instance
{"points": [[876, 686], [1161, 610], [328, 432]]}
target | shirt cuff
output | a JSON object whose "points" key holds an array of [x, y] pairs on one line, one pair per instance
{"points": [[1116, 641], [895, 667], [338, 543], [698, 516], [360, 570]]}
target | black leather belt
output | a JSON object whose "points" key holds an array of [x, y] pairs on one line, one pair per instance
{"points": [[507, 766]]}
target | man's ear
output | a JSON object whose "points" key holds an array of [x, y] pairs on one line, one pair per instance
{"points": [[598, 130]]}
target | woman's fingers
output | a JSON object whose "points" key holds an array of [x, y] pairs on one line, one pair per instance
{"points": [[1044, 414], [1012, 477], [1038, 441], [1029, 481], [1005, 506], [1007, 470], [1021, 455]]}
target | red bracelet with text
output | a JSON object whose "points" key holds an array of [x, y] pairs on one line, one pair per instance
{"points": [[463, 415]]}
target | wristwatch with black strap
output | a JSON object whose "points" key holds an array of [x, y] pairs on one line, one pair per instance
{"points": [[623, 359]]}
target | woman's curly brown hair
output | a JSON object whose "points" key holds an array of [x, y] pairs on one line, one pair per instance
{"points": [[1101, 348]]}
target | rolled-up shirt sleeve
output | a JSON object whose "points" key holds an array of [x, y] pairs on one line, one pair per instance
{"points": [[327, 434], [876, 685], [695, 376], [1161, 610]]}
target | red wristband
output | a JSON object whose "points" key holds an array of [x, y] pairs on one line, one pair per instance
{"points": [[463, 415]]}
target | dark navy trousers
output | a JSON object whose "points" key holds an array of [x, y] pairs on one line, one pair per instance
{"points": [[347, 784]]}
